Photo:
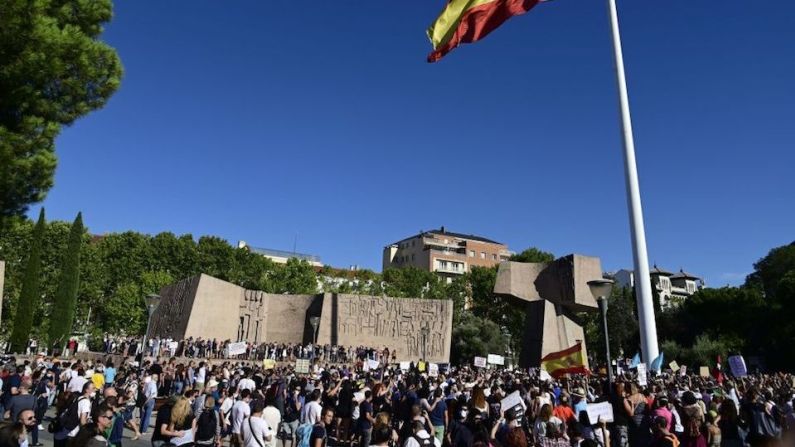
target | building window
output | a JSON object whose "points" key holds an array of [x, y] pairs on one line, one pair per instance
{"points": [[482, 255], [412, 242], [494, 257], [471, 253], [412, 256]]}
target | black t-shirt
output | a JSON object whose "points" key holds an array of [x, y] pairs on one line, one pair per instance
{"points": [[619, 413], [156, 369], [318, 432], [163, 417]]}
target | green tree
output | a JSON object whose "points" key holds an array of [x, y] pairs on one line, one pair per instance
{"points": [[53, 70], [769, 270], [410, 282], [31, 286], [622, 326], [68, 284], [475, 336], [295, 277], [533, 254]]}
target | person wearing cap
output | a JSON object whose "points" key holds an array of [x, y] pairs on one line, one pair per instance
{"points": [[579, 400]]}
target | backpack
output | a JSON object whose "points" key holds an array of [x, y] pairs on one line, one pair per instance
{"points": [[424, 442], [69, 419], [206, 425], [303, 433]]}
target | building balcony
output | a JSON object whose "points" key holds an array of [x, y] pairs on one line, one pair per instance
{"points": [[432, 242], [450, 270], [461, 253]]}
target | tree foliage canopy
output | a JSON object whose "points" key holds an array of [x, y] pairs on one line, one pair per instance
{"points": [[53, 70]]}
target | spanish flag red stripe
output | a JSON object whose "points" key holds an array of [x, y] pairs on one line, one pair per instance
{"points": [[567, 361], [564, 353], [467, 21]]}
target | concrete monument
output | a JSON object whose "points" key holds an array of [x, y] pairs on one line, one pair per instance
{"points": [[207, 307], [551, 293]]}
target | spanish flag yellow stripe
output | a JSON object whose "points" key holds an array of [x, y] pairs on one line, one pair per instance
{"points": [[442, 30]]}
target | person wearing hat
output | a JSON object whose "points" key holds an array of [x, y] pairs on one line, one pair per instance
{"points": [[580, 403]]}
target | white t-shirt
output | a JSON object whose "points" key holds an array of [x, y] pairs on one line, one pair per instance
{"points": [[255, 429], [311, 413], [246, 384], [225, 407], [240, 410], [273, 418], [76, 384], [200, 375]]}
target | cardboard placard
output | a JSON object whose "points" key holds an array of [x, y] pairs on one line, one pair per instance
{"points": [[703, 371], [480, 362], [601, 410], [683, 370], [269, 364], [373, 364], [495, 359], [512, 400], [302, 366], [433, 370], [674, 366], [737, 366], [404, 366], [642, 378]]}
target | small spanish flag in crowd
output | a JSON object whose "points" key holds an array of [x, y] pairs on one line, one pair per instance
{"points": [[568, 361], [467, 21]]}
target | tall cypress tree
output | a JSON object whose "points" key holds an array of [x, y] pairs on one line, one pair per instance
{"points": [[29, 295], [63, 312]]}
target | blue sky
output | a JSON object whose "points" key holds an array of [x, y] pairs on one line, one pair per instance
{"points": [[264, 121]]}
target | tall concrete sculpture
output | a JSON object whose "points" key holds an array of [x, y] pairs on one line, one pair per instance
{"points": [[207, 307], [551, 293]]}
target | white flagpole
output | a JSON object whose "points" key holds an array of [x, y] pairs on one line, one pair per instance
{"points": [[648, 326]]}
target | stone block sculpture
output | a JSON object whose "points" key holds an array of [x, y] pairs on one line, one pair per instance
{"points": [[551, 293]]}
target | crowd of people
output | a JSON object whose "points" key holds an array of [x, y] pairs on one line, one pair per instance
{"points": [[243, 403], [199, 348]]}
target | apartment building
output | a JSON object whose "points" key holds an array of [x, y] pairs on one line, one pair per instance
{"points": [[669, 287], [444, 252]]}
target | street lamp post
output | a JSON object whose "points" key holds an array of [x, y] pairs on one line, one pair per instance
{"points": [[600, 289], [152, 301], [424, 331]]}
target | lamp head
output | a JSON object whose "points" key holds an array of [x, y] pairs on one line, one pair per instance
{"points": [[601, 288], [152, 300]]}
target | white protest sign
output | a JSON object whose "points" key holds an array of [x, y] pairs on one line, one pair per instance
{"points": [[302, 366], [495, 359], [683, 370], [543, 375], [601, 410], [404, 366], [674, 366], [737, 366], [642, 379], [433, 370], [480, 362], [511, 401], [359, 396], [703, 371], [373, 364], [236, 348]]}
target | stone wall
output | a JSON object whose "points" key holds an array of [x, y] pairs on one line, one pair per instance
{"points": [[207, 307]]}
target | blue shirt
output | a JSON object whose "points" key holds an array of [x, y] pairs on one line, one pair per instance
{"points": [[110, 375]]}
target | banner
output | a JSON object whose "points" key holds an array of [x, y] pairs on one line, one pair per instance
{"points": [[269, 364], [737, 365], [302, 366], [433, 370], [642, 379], [603, 411], [495, 359], [236, 348], [480, 362]]}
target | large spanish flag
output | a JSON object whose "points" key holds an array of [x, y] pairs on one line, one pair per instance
{"points": [[467, 21], [568, 361]]}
